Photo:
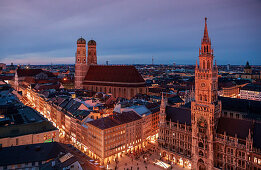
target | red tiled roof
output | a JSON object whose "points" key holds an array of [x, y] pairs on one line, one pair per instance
{"points": [[32, 72], [122, 74], [234, 126], [6, 77], [46, 86], [116, 120], [114, 84]]}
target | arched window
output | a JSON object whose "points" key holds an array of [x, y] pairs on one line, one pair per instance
{"points": [[208, 65], [200, 144], [201, 153], [119, 92], [205, 97], [204, 64], [200, 96], [132, 92]]}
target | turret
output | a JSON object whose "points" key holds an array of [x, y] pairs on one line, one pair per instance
{"points": [[92, 57], [80, 63], [162, 110]]}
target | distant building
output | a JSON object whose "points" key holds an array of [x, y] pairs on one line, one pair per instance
{"points": [[251, 92], [2, 66], [228, 67], [120, 81], [249, 73], [22, 125], [247, 68], [25, 77]]}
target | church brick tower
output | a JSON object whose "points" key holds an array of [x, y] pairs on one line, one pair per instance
{"points": [[206, 108], [80, 63], [92, 57]]}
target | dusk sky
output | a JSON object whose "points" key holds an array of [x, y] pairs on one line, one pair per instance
{"points": [[129, 31]]}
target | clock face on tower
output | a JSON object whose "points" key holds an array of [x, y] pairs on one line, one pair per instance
{"points": [[203, 84], [202, 123]]}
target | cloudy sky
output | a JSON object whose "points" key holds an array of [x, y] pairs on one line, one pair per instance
{"points": [[129, 31]]}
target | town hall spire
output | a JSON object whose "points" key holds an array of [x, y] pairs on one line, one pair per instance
{"points": [[206, 38], [205, 110]]}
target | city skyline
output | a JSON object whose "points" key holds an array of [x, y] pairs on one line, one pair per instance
{"points": [[129, 32]]}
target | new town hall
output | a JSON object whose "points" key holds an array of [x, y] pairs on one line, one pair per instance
{"points": [[202, 136]]}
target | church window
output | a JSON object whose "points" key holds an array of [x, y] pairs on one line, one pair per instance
{"points": [[204, 64], [208, 65], [78, 60], [201, 153], [205, 97], [200, 144]]}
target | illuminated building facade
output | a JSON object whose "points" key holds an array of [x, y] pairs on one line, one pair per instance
{"points": [[251, 92], [200, 137], [111, 137]]}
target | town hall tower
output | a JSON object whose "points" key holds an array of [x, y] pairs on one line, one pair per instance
{"points": [[206, 108]]}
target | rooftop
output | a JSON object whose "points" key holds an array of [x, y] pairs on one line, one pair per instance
{"points": [[30, 153], [117, 73], [178, 114], [115, 120], [32, 72], [241, 105], [252, 87]]}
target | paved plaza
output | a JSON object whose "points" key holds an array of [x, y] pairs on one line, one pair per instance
{"points": [[145, 161]]}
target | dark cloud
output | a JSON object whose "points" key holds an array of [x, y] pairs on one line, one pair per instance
{"points": [[129, 31]]}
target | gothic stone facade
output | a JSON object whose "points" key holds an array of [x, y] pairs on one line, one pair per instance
{"points": [[199, 138]]}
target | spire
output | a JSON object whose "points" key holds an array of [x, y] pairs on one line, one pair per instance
{"points": [[163, 101], [206, 38]]}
